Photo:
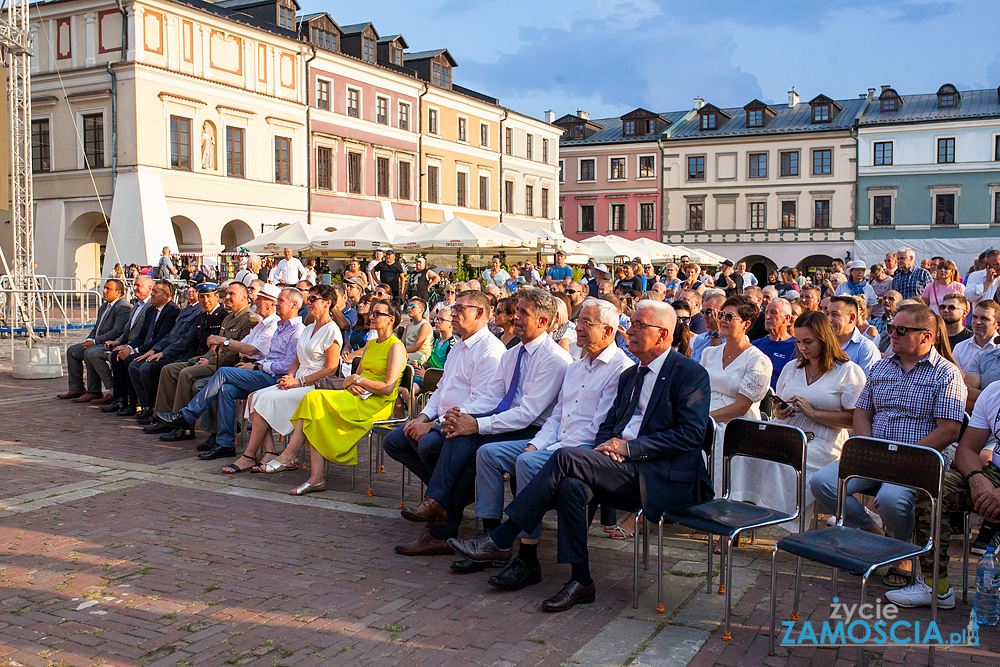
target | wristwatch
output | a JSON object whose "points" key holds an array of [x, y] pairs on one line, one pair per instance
{"points": [[226, 342], [716, 334]]}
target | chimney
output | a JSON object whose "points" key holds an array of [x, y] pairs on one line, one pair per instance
{"points": [[699, 102], [583, 114], [885, 87], [793, 98], [871, 94], [550, 117]]}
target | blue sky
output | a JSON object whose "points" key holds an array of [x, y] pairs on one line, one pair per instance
{"points": [[611, 56]]}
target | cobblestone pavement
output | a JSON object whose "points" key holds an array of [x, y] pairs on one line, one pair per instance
{"points": [[117, 549]]}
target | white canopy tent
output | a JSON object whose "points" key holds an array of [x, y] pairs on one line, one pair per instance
{"points": [[363, 237], [296, 236], [456, 234], [604, 249]]}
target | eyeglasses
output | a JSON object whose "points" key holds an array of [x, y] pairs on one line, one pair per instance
{"points": [[312, 298], [729, 317], [377, 313], [411, 306], [706, 312], [684, 320], [901, 330], [589, 323], [639, 326], [947, 307], [441, 319], [572, 291], [459, 307], [449, 291]]}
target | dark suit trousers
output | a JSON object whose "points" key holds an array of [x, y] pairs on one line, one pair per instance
{"points": [[568, 482], [145, 379], [120, 381], [453, 482], [419, 456]]}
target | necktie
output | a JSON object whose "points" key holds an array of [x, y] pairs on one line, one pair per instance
{"points": [[100, 320], [633, 402], [515, 381], [135, 315]]}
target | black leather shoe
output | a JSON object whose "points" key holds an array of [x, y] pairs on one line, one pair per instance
{"points": [[466, 566], [177, 434], [175, 419], [208, 445], [157, 428], [114, 407], [145, 417], [571, 595], [128, 411], [482, 548], [516, 576], [218, 452]]}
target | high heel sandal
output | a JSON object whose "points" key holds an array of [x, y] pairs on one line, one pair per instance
{"points": [[233, 469], [306, 487]]}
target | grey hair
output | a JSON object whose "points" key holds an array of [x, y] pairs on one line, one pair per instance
{"points": [[665, 313], [607, 314], [294, 294], [712, 291], [907, 251], [784, 304], [543, 303], [769, 289]]}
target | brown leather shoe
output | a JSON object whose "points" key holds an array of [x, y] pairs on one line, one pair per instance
{"points": [[425, 545], [87, 398], [107, 399], [72, 393], [428, 511], [571, 595]]}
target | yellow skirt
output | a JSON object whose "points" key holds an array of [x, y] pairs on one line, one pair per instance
{"points": [[334, 421]]}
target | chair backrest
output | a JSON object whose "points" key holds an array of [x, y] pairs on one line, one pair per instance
{"points": [[770, 441], [355, 365], [965, 425], [766, 406], [708, 448], [406, 382], [890, 462], [431, 378]]}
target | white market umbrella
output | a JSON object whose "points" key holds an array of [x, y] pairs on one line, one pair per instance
{"points": [[365, 236], [604, 249], [296, 236], [527, 238], [699, 256], [459, 233], [660, 250]]}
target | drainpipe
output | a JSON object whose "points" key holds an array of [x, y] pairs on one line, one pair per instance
{"points": [[420, 153], [309, 151], [662, 197], [114, 97], [500, 180]]}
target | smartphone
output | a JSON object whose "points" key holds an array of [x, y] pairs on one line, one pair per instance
{"points": [[781, 403]]}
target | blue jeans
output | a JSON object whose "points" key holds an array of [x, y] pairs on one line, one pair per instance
{"points": [[226, 387], [894, 503], [495, 459]]}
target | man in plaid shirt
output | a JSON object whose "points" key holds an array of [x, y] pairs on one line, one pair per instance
{"points": [[909, 280], [914, 396]]}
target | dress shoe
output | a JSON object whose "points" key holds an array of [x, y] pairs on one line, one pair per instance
{"points": [[217, 452], [466, 566], [106, 399], [425, 545], [208, 445], [516, 576], [157, 428], [175, 419], [87, 398], [571, 594], [482, 548], [428, 511], [145, 416], [72, 393], [128, 411], [177, 435], [114, 407]]}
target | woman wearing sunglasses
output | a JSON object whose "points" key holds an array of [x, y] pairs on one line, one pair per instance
{"points": [[417, 336]]}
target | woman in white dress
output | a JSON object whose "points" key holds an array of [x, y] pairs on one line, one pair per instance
{"points": [[740, 376], [820, 389], [317, 355]]}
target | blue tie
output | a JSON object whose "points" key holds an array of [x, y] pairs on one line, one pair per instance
{"points": [[515, 381]]}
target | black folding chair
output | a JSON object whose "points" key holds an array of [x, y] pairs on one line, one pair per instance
{"points": [[383, 427], [859, 551], [767, 441]]}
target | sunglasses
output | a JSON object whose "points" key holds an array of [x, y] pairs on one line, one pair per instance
{"points": [[708, 311], [377, 313], [684, 320], [729, 317], [572, 291], [901, 330], [313, 299]]}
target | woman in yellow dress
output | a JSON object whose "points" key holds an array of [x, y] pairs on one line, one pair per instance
{"points": [[332, 422]]}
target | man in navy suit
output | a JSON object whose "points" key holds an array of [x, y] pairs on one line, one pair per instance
{"points": [[647, 454], [112, 318]]}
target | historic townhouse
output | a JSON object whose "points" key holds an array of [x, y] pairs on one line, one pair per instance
{"points": [[770, 184], [929, 173]]}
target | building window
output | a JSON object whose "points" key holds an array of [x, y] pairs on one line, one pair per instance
{"points": [[180, 143], [404, 180], [40, 146], [758, 165], [286, 17], [587, 218], [562, 171], [946, 100], [822, 162], [883, 153], [647, 217], [368, 49], [354, 173], [484, 135], [545, 151], [946, 150], [432, 121], [755, 117], [821, 211], [463, 129], [324, 168], [529, 200], [382, 176], [462, 189], [708, 120], [629, 127], [509, 141], [821, 113], [618, 218], [323, 38], [545, 202], [441, 75], [323, 95], [484, 193], [944, 209], [587, 171], [93, 139], [354, 102], [561, 212], [696, 217], [788, 218], [617, 169], [396, 55], [889, 104], [996, 148], [758, 215], [234, 151], [404, 116], [282, 160], [529, 149], [696, 168], [432, 185], [882, 211], [789, 163], [996, 208], [647, 166], [382, 110], [508, 196]]}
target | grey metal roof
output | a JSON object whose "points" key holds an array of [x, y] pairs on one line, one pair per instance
{"points": [[613, 131], [787, 121], [355, 28], [924, 108]]}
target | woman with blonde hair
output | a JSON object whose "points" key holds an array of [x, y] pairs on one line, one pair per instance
{"points": [[945, 282]]}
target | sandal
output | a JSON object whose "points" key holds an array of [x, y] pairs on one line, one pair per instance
{"points": [[233, 469], [275, 466], [616, 532], [906, 575], [261, 463]]}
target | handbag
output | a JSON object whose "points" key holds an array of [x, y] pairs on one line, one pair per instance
{"points": [[329, 383]]}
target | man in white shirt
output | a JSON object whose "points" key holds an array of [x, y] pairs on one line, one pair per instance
{"points": [[588, 389], [748, 278], [843, 312], [984, 330], [249, 273], [982, 285], [373, 276], [517, 400], [288, 271], [471, 361]]}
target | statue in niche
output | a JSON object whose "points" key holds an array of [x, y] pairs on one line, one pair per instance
{"points": [[208, 145]]}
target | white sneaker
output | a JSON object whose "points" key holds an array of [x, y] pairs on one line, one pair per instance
{"points": [[832, 521], [875, 517], [919, 595]]}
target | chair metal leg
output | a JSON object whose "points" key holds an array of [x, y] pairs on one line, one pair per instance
{"points": [[645, 539], [798, 588], [864, 598], [659, 568], [723, 561], [774, 597], [728, 548], [836, 573], [402, 490], [635, 568], [711, 557], [371, 437], [965, 557]]}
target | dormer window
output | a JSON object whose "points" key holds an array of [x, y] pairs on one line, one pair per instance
{"points": [[650, 126], [946, 101], [396, 55], [441, 75], [755, 118], [708, 120], [629, 128], [948, 96], [821, 113], [890, 104], [323, 39], [889, 100], [286, 17], [368, 49]]}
